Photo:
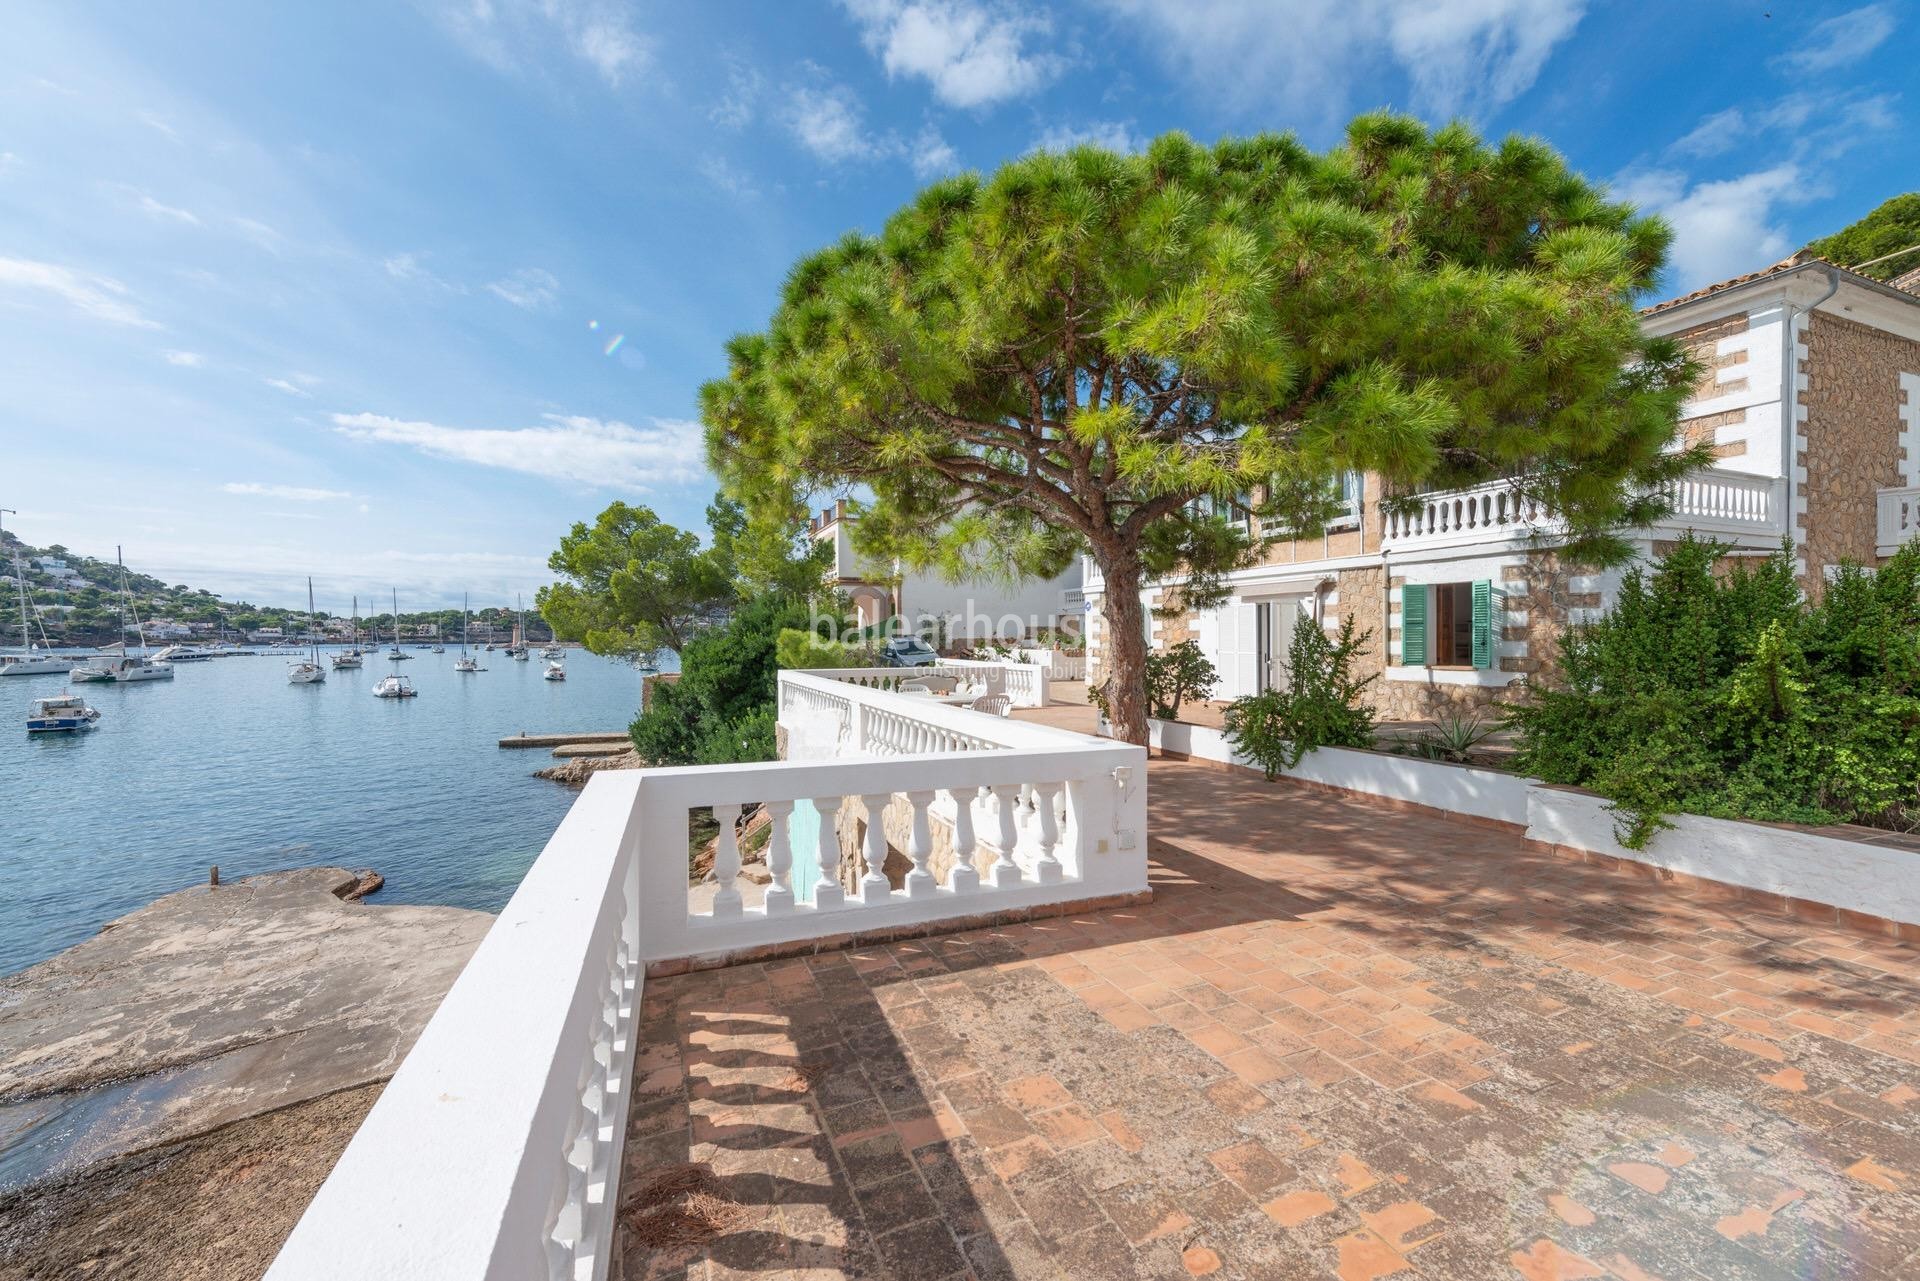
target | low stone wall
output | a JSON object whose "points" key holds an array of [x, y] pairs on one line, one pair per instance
{"points": [[1838, 875]]}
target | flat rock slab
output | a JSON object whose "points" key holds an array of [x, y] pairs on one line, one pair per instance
{"points": [[558, 740], [211, 1005], [612, 747]]}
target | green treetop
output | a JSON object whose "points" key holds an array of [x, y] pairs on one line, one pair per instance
{"points": [[1893, 226], [1063, 355]]}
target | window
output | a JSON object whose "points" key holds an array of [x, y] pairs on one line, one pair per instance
{"points": [[1451, 625]]}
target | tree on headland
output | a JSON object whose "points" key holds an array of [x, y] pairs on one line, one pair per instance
{"points": [[632, 584], [1063, 356], [1892, 226]]}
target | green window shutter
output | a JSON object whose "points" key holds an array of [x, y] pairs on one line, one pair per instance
{"points": [[1486, 625], [1413, 625]]}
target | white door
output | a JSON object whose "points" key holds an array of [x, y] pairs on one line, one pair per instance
{"points": [[1237, 656]]}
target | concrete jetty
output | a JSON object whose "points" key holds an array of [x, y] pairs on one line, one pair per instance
{"points": [[566, 750], [561, 740]]}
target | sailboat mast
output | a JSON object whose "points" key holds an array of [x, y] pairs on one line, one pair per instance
{"points": [[313, 636]]}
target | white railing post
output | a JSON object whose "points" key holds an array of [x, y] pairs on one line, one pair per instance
{"points": [[827, 894], [874, 886], [963, 878], [1046, 802], [726, 861], [919, 881], [1005, 873], [779, 898]]}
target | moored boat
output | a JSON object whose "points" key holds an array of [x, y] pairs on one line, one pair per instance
{"points": [[554, 672], [60, 714], [32, 660], [394, 687], [309, 670]]}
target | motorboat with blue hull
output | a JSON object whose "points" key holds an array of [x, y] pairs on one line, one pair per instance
{"points": [[60, 714]]}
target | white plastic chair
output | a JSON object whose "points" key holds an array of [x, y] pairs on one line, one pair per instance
{"points": [[992, 705]]}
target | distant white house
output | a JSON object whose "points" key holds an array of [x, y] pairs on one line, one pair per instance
{"points": [[928, 603]]}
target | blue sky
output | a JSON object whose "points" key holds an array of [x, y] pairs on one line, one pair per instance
{"points": [[392, 294]]}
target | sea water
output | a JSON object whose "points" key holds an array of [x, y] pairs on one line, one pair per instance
{"points": [[229, 765]]}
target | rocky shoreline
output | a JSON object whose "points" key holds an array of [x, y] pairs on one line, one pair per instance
{"points": [[203, 1061]]}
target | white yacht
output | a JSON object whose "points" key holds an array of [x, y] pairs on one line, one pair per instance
{"points": [[554, 672], [112, 663], [32, 660], [182, 654], [350, 657], [61, 714], [551, 651], [309, 670], [466, 662], [394, 655], [394, 687]]}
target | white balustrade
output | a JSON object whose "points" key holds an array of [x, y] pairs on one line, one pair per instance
{"points": [[518, 1087], [1899, 511], [1711, 501]]}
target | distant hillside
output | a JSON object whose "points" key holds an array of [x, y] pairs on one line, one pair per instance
{"points": [[1895, 225], [76, 600]]}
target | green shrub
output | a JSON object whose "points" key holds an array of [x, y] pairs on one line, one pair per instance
{"points": [[722, 707], [1728, 695], [1177, 674], [1449, 738], [1321, 706], [798, 649]]}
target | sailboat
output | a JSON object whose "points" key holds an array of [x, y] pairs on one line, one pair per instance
{"points": [[32, 661], [350, 656], [554, 672], [466, 662], [394, 655], [308, 671], [517, 650], [116, 664]]}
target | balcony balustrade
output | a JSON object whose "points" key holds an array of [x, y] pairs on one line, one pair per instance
{"points": [[1899, 518], [495, 1151]]}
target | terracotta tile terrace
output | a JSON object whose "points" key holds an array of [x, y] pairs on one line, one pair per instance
{"points": [[1343, 1041]]}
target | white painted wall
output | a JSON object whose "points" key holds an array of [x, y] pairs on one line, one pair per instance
{"points": [[1873, 879], [1822, 869]]}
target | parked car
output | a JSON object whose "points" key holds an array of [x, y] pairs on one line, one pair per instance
{"points": [[907, 651]]}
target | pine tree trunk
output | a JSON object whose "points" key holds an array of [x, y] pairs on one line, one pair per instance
{"points": [[1126, 637]]}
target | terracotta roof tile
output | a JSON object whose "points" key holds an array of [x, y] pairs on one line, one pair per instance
{"points": [[1799, 259]]}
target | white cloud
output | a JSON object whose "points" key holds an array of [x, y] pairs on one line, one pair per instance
{"points": [[501, 32], [1722, 228], [155, 209], [1841, 40], [829, 121], [1114, 135], [737, 105], [160, 126], [727, 176], [1459, 57], [295, 387], [286, 493], [409, 268], [529, 287], [101, 297], [1798, 125], [973, 54], [576, 450], [186, 359], [268, 238], [9, 161], [931, 155]]}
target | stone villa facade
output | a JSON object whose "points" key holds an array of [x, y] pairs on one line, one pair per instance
{"points": [[1811, 404]]}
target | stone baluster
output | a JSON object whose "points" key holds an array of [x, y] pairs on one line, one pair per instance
{"points": [[874, 887], [963, 878], [827, 894], [780, 860], [726, 862], [920, 882], [1005, 873], [1046, 802]]}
